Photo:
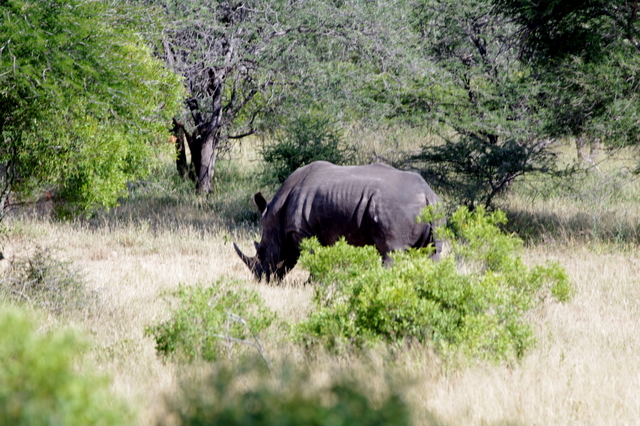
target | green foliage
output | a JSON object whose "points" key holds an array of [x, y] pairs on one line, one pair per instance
{"points": [[45, 282], [595, 100], [473, 171], [40, 383], [486, 101], [304, 140], [559, 29], [587, 58], [209, 320], [247, 65], [474, 301], [83, 102], [476, 239], [289, 398]]}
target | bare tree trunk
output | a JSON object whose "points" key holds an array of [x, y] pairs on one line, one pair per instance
{"points": [[203, 142], [4, 201], [7, 177], [211, 137], [208, 153]]}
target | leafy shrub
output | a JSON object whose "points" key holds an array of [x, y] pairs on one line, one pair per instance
{"points": [[209, 321], [257, 397], [45, 282], [39, 384], [474, 171], [305, 140], [473, 301]]}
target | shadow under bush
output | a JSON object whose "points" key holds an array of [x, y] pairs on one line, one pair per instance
{"points": [[595, 205], [545, 227], [165, 202]]}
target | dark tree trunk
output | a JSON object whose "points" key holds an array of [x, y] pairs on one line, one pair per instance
{"points": [[203, 142], [8, 177], [5, 190], [203, 147], [181, 151]]}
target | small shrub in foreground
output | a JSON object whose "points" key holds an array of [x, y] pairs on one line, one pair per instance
{"points": [[209, 321], [473, 301], [39, 384], [249, 396]]}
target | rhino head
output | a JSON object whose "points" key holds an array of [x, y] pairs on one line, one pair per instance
{"points": [[267, 260]]}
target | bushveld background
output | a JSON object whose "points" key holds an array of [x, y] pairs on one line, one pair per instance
{"points": [[583, 370], [488, 99]]}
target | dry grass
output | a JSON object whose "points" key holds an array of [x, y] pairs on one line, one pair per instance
{"points": [[585, 369]]}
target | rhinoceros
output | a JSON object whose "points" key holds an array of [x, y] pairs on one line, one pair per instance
{"points": [[374, 204]]}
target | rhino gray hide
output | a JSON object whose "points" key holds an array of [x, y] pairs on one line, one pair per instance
{"points": [[368, 205]]}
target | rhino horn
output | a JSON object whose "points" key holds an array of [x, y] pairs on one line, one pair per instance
{"points": [[249, 261]]}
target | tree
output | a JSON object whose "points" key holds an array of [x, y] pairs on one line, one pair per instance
{"points": [[587, 54], [83, 102], [484, 101], [217, 47], [249, 64], [553, 29]]}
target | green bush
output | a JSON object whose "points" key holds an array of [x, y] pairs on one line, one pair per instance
{"points": [[209, 321], [45, 282], [475, 170], [472, 302], [248, 396], [39, 381], [304, 140]]}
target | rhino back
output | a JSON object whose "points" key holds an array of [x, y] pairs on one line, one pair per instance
{"points": [[373, 204]]}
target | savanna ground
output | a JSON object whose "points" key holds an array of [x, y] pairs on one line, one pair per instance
{"points": [[584, 370]]}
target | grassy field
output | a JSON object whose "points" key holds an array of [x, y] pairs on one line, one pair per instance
{"points": [[584, 370]]}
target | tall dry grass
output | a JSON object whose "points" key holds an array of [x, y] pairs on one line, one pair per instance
{"points": [[584, 370]]}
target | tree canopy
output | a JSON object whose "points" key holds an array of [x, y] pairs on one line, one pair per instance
{"points": [[587, 54], [82, 102], [484, 99], [255, 65], [85, 95]]}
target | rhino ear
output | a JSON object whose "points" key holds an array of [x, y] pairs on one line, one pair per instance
{"points": [[260, 202]]}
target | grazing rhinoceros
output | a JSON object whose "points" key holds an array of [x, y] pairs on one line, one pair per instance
{"points": [[368, 205]]}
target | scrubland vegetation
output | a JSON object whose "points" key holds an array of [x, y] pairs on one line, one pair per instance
{"points": [[163, 239], [133, 134]]}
